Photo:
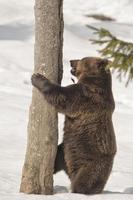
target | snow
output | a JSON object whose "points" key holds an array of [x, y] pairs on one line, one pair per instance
{"points": [[16, 67]]}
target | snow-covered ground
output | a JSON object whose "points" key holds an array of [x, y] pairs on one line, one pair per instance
{"points": [[16, 66]]}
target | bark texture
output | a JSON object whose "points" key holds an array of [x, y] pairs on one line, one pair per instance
{"points": [[37, 174]]}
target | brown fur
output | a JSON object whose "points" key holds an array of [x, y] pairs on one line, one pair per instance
{"points": [[89, 145]]}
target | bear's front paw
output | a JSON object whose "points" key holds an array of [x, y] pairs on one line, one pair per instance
{"points": [[39, 81]]}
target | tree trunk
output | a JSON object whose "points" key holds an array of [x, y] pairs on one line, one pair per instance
{"points": [[37, 174]]}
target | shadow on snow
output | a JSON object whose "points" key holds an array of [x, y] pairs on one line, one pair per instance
{"points": [[15, 31]]}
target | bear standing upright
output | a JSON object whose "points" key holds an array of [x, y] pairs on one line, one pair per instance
{"points": [[89, 144]]}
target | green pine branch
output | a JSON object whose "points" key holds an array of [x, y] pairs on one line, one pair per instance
{"points": [[120, 52]]}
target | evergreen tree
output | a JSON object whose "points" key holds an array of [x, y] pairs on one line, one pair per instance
{"points": [[118, 51]]}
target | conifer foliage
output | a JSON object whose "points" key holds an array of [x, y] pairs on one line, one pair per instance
{"points": [[118, 51]]}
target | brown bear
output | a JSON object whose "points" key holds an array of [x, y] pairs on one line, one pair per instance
{"points": [[89, 144]]}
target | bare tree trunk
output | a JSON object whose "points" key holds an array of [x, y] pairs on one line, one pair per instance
{"points": [[37, 174]]}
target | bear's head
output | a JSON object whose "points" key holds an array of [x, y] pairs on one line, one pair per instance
{"points": [[89, 67]]}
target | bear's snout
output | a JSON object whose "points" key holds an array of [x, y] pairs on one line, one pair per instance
{"points": [[74, 63]]}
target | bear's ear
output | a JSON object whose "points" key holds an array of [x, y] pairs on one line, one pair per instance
{"points": [[74, 62], [103, 63]]}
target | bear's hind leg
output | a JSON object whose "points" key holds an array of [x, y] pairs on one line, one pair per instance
{"points": [[59, 160], [83, 181], [89, 180]]}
